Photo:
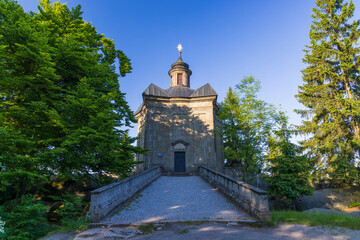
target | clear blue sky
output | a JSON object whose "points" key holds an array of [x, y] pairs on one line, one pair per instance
{"points": [[223, 41]]}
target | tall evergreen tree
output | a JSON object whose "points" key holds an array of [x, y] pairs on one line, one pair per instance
{"points": [[247, 121], [62, 110], [330, 91], [289, 170]]}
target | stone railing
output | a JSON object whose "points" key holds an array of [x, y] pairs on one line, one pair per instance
{"points": [[107, 198], [252, 199]]}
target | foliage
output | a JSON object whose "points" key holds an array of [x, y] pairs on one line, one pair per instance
{"points": [[24, 219], [247, 122], [330, 91], [71, 211], [147, 228], [289, 170], [317, 219], [63, 112], [2, 229], [18, 164], [354, 205]]}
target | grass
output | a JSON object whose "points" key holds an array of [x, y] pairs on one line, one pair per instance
{"points": [[80, 225], [196, 223], [354, 205], [147, 228], [317, 219]]}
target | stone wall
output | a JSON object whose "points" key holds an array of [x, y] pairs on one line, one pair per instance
{"points": [[165, 122], [107, 198], [252, 199]]}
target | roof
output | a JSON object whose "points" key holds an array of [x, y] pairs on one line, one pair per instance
{"points": [[179, 64], [139, 109], [204, 91], [180, 60], [154, 90], [177, 91]]}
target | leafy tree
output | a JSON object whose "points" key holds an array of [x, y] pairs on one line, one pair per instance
{"points": [[62, 109], [331, 91], [289, 170], [24, 219], [246, 125], [71, 212], [24, 65]]}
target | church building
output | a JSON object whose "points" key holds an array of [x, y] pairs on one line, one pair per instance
{"points": [[177, 125]]}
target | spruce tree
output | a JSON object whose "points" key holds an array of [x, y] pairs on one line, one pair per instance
{"points": [[288, 169], [330, 91], [247, 122]]}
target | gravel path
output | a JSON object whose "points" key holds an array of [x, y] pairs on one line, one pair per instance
{"points": [[217, 231], [178, 199]]}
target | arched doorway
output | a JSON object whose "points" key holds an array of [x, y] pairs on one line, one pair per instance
{"points": [[179, 148]]}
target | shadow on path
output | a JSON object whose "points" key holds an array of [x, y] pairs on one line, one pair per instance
{"points": [[178, 199]]}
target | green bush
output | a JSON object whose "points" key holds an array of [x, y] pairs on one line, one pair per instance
{"points": [[71, 212], [354, 205], [24, 219]]}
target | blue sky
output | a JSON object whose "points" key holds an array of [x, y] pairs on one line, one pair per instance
{"points": [[223, 40]]}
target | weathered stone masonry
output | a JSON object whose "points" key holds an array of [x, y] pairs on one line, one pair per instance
{"points": [[250, 198], [107, 198], [179, 120]]}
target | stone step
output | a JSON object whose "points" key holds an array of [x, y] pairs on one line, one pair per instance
{"points": [[180, 174]]}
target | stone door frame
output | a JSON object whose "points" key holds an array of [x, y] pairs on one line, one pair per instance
{"points": [[179, 146]]}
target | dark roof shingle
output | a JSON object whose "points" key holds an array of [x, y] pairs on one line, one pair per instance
{"points": [[139, 109], [154, 90], [177, 91], [204, 91]]}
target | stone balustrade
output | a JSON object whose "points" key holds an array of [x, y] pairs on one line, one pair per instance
{"points": [[107, 198], [250, 198]]}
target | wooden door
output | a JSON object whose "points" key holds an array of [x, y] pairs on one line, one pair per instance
{"points": [[179, 165]]}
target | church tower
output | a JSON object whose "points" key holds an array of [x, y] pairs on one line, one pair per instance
{"points": [[178, 125], [180, 72]]}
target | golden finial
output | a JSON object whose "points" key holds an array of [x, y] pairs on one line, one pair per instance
{"points": [[179, 47]]}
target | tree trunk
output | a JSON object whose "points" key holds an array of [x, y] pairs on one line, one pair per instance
{"points": [[353, 121], [21, 190]]}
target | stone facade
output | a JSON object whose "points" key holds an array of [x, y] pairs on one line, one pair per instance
{"points": [[179, 120]]}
